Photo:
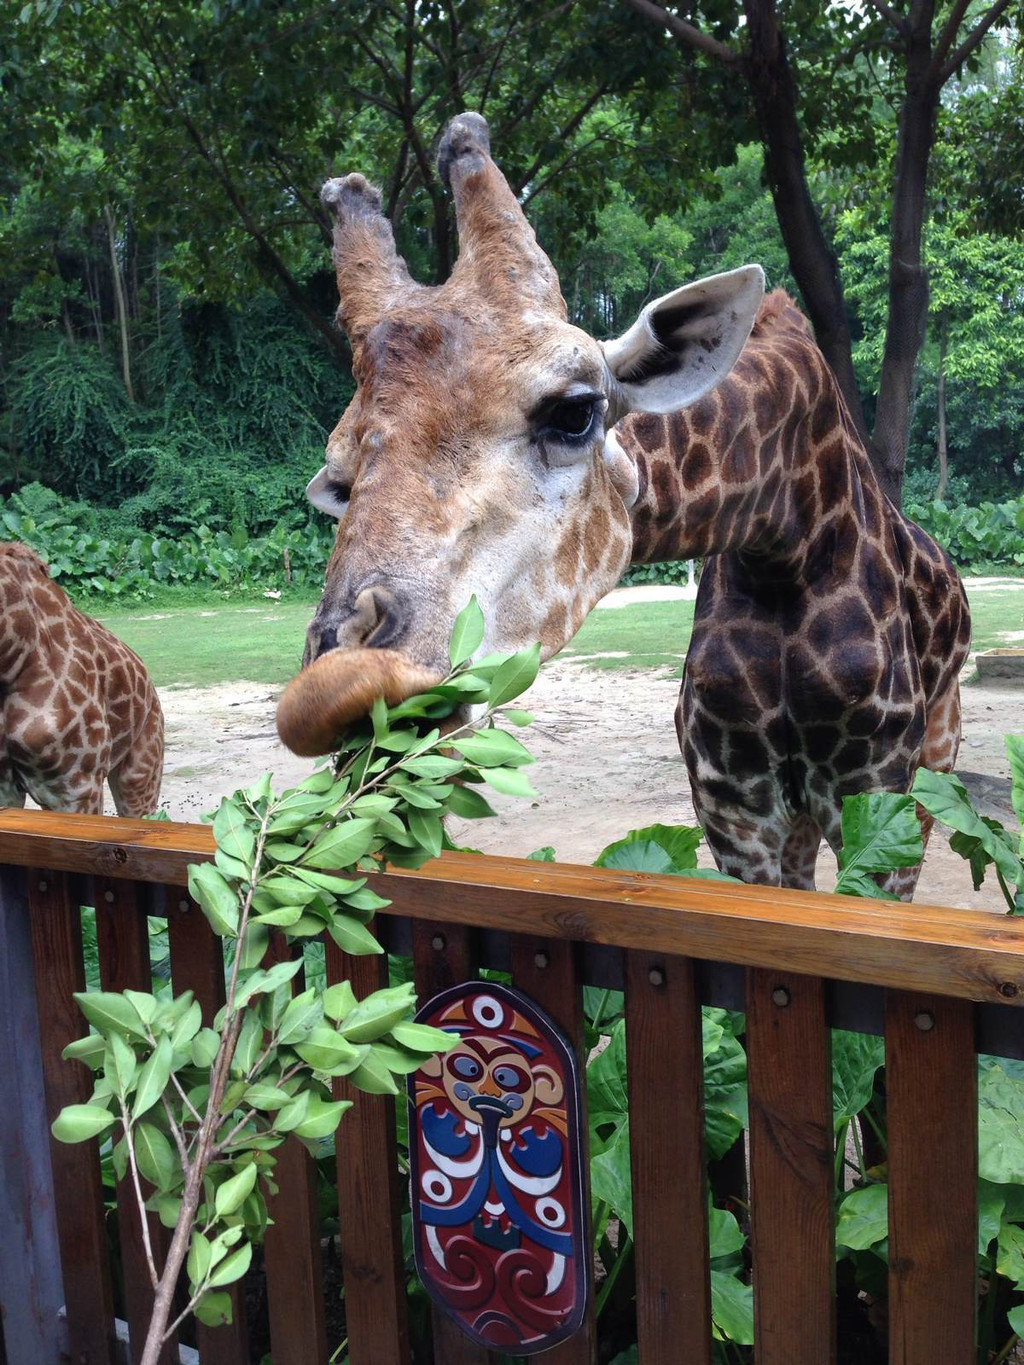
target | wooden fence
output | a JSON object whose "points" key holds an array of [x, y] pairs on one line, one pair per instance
{"points": [[940, 984]]}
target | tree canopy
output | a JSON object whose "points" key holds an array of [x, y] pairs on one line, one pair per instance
{"points": [[167, 345]]}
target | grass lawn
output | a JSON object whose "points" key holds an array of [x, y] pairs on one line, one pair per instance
{"points": [[198, 646]]}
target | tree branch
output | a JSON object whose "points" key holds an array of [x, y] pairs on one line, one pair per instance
{"points": [[897, 20], [685, 32], [972, 40]]}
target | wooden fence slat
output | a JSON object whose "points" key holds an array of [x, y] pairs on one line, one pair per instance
{"points": [[789, 1055], [545, 970], [666, 1139], [445, 955], [197, 964], [931, 1081], [291, 1247], [122, 936], [967, 953], [31, 1291], [376, 1312], [77, 1184]]}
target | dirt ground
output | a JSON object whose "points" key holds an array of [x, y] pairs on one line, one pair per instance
{"points": [[607, 762]]}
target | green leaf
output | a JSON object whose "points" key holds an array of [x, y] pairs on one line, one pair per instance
{"points": [[110, 1013], [880, 832], [467, 633], [425, 828], [153, 1078], [725, 1235], [397, 1060], [610, 1176], [263, 982], [515, 717], [200, 1257], [155, 1158], [232, 833], [353, 937], [514, 676], [325, 1050], [77, 1122], [339, 1000], [374, 1078], [542, 855], [343, 845], [235, 1191], [945, 796], [493, 749], [637, 856], [856, 1057], [204, 1047], [323, 881], [725, 1096], [214, 1310], [468, 804], [90, 1050], [732, 1308], [120, 1065], [252, 948], [863, 1220], [304, 1012], [1000, 1127], [433, 766], [263, 1095], [507, 781], [233, 1267], [378, 1014], [679, 842], [187, 1026], [323, 1118], [293, 1114], [423, 1038], [217, 899]]}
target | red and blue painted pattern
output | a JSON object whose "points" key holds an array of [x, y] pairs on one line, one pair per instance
{"points": [[497, 1189]]}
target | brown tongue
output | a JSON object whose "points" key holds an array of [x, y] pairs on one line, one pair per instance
{"points": [[340, 688]]}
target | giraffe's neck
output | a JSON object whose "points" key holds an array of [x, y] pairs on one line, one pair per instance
{"points": [[764, 464]]}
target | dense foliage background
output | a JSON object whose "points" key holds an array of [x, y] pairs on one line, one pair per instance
{"points": [[168, 364]]}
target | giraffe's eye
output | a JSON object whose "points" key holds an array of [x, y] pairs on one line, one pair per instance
{"points": [[569, 423], [572, 418]]}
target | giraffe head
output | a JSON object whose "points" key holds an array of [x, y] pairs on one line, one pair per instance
{"points": [[477, 455]]}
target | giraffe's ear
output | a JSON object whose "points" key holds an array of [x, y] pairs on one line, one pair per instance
{"points": [[681, 345], [327, 495]]}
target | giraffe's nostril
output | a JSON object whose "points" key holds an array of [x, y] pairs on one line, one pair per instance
{"points": [[328, 641]]}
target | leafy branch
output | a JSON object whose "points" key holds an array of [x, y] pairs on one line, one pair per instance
{"points": [[200, 1110]]}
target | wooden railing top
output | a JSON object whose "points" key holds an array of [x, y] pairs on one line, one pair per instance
{"points": [[973, 954]]}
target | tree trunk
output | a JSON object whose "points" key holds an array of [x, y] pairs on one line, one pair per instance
{"points": [[811, 260], [119, 301], [940, 487], [908, 278]]}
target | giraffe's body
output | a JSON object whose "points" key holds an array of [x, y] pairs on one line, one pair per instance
{"points": [[77, 707], [829, 631]]}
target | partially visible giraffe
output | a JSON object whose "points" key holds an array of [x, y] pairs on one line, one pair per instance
{"points": [[478, 455], [77, 707], [829, 630]]}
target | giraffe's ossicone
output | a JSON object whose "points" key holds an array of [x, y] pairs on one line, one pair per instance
{"points": [[77, 707]]}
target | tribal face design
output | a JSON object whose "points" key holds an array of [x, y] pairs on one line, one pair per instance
{"points": [[487, 1074]]}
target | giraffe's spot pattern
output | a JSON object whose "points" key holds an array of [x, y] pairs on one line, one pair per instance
{"points": [[78, 706]]}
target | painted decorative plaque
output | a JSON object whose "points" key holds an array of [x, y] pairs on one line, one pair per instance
{"points": [[497, 1190]]}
